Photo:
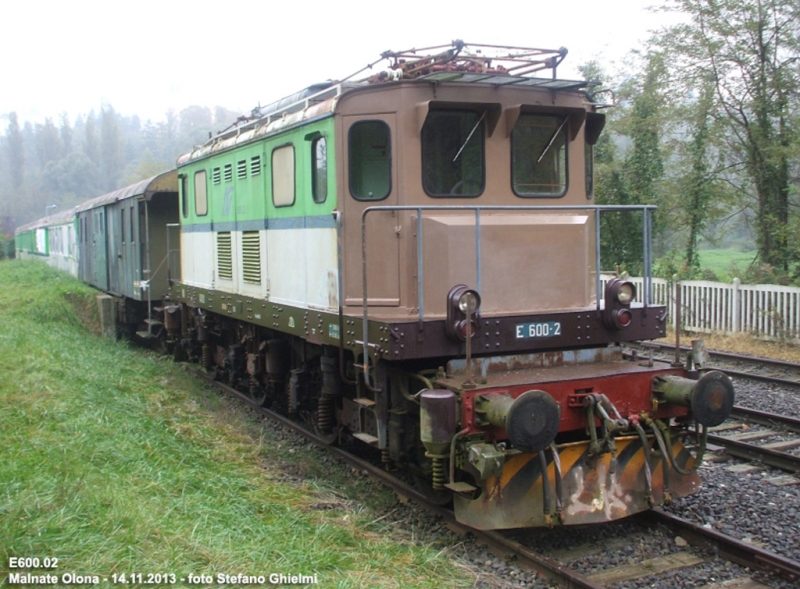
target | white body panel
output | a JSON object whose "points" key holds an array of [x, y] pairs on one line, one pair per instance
{"points": [[63, 248], [198, 259], [298, 266], [303, 269]]}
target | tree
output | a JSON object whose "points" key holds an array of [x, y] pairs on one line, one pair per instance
{"points": [[48, 142], [91, 146], [698, 189], [111, 154], [749, 50], [629, 163], [66, 134], [16, 153]]}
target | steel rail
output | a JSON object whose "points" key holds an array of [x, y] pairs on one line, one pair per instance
{"points": [[729, 548], [730, 355], [791, 424], [762, 378], [496, 542], [739, 358], [768, 456]]}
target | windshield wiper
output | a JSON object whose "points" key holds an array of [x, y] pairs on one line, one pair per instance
{"points": [[469, 136], [549, 143]]}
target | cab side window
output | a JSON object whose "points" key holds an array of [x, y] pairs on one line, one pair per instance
{"points": [[319, 172], [369, 151]]}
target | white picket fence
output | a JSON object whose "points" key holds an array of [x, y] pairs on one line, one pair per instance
{"points": [[765, 310]]}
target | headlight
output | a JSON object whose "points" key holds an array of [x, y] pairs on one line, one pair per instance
{"points": [[469, 302], [462, 302], [626, 293]]}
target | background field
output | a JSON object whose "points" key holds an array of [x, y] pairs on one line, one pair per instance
{"points": [[727, 264], [116, 460]]}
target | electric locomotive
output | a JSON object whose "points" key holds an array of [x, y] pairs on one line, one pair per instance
{"points": [[411, 260]]}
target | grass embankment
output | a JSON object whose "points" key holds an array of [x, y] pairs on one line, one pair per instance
{"points": [[114, 460]]}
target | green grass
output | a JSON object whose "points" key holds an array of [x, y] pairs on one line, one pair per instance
{"points": [[115, 460], [727, 264]]}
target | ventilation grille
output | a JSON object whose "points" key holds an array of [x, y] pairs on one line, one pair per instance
{"points": [[224, 265], [228, 172], [215, 176], [251, 256], [255, 165], [241, 169]]}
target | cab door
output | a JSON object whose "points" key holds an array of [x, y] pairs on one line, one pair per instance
{"points": [[370, 179]]}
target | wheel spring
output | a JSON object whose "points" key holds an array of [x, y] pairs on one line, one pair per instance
{"points": [[206, 360], [325, 413], [438, 473], [254, 389]]}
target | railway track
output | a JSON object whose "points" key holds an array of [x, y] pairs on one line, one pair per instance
{"points": [[551, 569], [742, 443], [784, 367]]}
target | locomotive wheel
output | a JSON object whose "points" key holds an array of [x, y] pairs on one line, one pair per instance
{"points": [[258, 395], [329, 438]]}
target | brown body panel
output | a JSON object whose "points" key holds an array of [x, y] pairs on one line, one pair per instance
{"points": [[531, 260]]}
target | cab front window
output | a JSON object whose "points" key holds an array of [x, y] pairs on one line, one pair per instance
{"points": [[453, 153], [539, 155]]}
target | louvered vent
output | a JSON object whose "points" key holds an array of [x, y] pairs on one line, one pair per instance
{"points": [[241, 169], [251, 256], [255, 165], [215, 176], [228, 172], [224, 264]]}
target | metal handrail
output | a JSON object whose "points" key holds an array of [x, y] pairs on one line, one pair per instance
{"points": [[646, 235]]}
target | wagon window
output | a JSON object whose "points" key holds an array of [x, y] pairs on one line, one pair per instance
{"points": [[283, 176], [452, 153], [370, 157], [319, 175], [539, 155], [200, 196]]}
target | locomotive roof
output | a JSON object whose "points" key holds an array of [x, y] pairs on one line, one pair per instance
{"points": [[491, 65]]}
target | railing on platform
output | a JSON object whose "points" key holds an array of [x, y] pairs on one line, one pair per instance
{"points": [[766, 310]]}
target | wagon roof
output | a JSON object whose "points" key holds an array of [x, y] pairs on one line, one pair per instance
{"points": [[58, 218], [164, 182]]}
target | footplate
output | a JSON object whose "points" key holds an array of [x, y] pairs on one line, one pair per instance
{"points": [[594, 489]]}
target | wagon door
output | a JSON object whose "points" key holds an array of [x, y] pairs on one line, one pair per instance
{"points": [[116, 241], [99, 249], [370, 179]]}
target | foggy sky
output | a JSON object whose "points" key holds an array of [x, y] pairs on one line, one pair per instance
{"points": [[145, 57]]}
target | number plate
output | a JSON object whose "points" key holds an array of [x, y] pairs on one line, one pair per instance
{"points": [[538, 330]]}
